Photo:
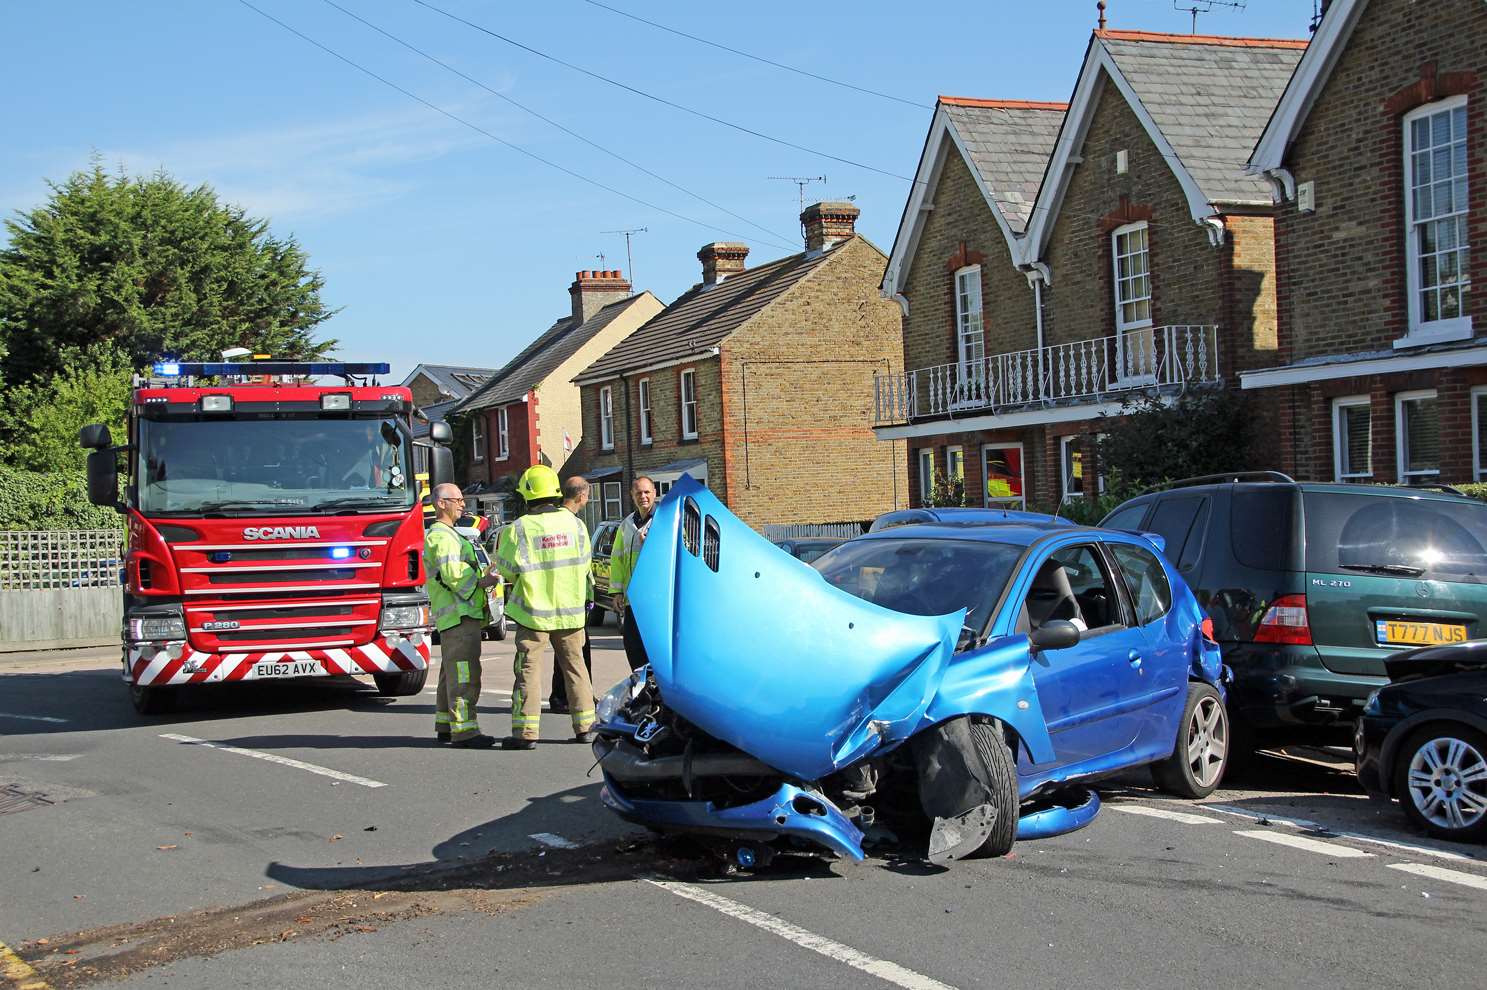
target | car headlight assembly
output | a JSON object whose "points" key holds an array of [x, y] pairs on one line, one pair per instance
{"points": [[155, 628], [404, 616], [619, 696]]}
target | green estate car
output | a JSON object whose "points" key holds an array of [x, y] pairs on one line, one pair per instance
{"points": [[1311, 586]]}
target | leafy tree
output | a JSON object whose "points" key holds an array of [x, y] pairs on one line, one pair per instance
{"points": [[42, 417], [947, 491], [1202, 431], [149, 267]]}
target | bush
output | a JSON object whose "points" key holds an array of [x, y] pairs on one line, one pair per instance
{"points": [[1088, 510], [947, 491], [59, 500], [1203, 431], [1476, 489]]}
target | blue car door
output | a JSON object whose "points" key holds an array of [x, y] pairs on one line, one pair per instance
{"points": [[1168, 651], [1089, 690]]}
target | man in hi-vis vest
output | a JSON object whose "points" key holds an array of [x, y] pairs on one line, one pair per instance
{"points": [[544, 557], [457, 598]]}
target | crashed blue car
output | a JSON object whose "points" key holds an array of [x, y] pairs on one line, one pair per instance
{"points": [[953, 683]]}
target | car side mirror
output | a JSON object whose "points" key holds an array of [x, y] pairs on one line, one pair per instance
{"points": [[1056, 634], [95, 436]]}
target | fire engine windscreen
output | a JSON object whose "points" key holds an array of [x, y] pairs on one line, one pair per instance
{"points": [[283, 465]]}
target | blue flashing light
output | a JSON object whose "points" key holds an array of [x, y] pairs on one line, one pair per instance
{"points": [[219, 556], [339, 553], [167, 369]]}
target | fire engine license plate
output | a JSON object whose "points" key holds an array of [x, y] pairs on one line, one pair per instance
{"points": [[1419, 633], [299, 668]]}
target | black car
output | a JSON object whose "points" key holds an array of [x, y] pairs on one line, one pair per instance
{"points": [[1312, 586], [1422, 740]]}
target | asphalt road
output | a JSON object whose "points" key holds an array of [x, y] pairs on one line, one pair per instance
{"points": [[324, 839]]}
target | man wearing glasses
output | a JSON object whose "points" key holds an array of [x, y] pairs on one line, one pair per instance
{"points": [[456, 590]]}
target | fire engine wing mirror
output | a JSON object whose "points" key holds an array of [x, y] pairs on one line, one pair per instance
{"points": [[441, 433], [95, 436], [441, 466], [103, 476]]}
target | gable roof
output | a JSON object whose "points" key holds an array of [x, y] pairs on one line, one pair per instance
{"points": [[452, 380], [1304, 86], [543, 356], [1005, 144], [1202, 99], [703, 316]]}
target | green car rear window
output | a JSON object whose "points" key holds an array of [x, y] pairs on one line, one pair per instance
{"points": [[1262, 523], [1396, 535]]}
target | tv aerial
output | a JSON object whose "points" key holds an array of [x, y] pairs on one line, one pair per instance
{"points": [[1196, 7], [629, 262]]}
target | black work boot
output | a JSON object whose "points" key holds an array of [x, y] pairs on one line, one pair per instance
{"points": [[586, 736], [442, 735], [477, 741], [516, 742]]}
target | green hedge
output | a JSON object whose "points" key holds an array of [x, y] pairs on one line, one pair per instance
{"points": [[29, 500], [1475, 490]]}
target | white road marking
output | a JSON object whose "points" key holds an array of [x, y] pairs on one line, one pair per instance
{"points": [[284, 761], [43, 757], [1176, 816], [1302, 842], [34, 718], [555, 841], [1441, 873], [887, 971], [1311, 826]]}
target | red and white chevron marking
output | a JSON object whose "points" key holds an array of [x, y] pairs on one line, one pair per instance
{"points": [[157, 669]]}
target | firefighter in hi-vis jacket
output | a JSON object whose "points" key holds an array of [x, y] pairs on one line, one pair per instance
{"points": [[544, 557], [457, 598]]}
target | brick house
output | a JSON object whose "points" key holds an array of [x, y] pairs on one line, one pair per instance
{"points": [[528, 411], [751, 383], [438, 388], [1052, 261], [1378, 155]]}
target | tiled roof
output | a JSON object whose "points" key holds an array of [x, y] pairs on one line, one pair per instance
{"points": [[453, 380], [541, 357], [1210, 97], [1009, 142], [705, 315], [435, 414]]}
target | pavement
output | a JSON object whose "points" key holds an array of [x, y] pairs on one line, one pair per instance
{"points": [[313, 833]]}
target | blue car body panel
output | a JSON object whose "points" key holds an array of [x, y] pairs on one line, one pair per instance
{"points": [[759, 651]]}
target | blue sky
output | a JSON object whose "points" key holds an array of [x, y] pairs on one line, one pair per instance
{"points": [[440, 244]]}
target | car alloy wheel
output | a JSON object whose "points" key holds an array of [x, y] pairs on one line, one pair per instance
{"points": [[1207, 740], [1447, 783]]}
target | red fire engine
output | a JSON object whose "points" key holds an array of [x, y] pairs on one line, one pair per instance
{"points": [[274, 526]]}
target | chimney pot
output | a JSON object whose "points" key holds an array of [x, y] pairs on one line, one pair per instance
{"points": [[827, 223], [721, 259], [591, 291]]}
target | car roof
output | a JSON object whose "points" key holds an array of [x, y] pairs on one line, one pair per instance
{"points": [[1335, 487], [1016, 532]]}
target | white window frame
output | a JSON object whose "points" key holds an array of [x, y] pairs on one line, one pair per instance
{"points": [[1021, 500], [687, 383], [926, 474], [953, 452], [477, 437], [1436, 331], [503, 447], [606, 418], [1067, 446], [643, 401], [1479, 470], [1338, 444], [970, 339], [1401, 436], [612, 496], [1123, 372]]}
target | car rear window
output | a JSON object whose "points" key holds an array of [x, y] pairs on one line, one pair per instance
{"points": [[1396, 534], [1126, 518], [921, 576], [1180, 520], [1262, 524]]}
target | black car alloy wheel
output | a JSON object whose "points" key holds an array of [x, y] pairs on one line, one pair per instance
{"points": [[1441, 779]]}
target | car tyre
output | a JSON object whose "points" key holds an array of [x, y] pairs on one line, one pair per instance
{"points": [[401, 684], [498, 631], [151, 700], [1001, 770], [1201, 751], [1440, 778]]}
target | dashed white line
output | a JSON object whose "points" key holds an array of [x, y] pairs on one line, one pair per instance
{"points": [[1312, 826], [887, 971], [555, 841], [1176, 816], [283, 761], [34, 718], [41, 757], [1441, 873], [1302, 842]]}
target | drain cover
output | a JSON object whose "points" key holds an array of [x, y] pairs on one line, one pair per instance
{"points": [[13, 799]]}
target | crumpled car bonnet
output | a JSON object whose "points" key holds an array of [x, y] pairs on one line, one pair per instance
{"points": [[758, 650]]}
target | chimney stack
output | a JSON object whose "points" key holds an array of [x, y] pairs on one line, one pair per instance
{"points": [[721, 259], [592, 291], [828, 223]]}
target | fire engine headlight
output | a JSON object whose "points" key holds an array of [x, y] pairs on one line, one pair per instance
{"points": [[402, 614], [151, 628], [216, 403], [338, 402]]}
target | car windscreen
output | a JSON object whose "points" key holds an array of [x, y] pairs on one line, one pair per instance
{"points": [[923, 576], [1396, 535], [291, 465]]}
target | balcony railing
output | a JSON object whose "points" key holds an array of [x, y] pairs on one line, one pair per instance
{"points": [[1153, 357]]}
